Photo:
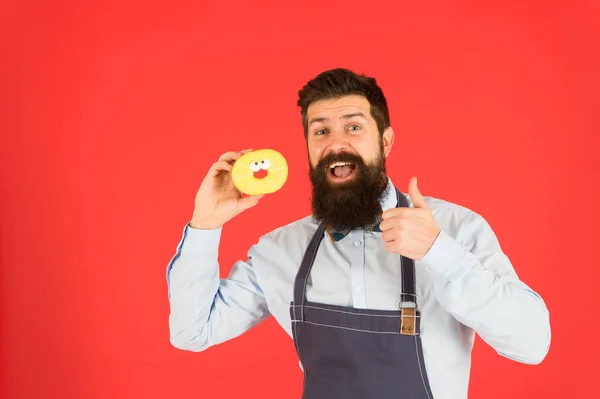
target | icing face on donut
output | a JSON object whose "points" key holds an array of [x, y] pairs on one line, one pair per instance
{"points": [[260, 168], [260, 172]]}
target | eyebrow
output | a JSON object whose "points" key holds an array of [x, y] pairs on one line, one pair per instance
{"points": [[345, 116]]}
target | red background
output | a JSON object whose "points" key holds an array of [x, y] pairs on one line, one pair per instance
{"points": [[112, 112]]}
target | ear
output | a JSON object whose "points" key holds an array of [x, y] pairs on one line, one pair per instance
{"points": [[388, 140]]}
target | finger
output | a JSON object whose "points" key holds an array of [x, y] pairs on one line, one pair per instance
{"points": [[391, 213], [231, 156], [248, 202], [388, 236], [246, 151], [390, 247], [386, 225], [219, 166], [415, 195], [397, 213], [397, 224]]}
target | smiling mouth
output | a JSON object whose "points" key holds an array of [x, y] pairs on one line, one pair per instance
{"points": [[261, 174], [341, 171]]}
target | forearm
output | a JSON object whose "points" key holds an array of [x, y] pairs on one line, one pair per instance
{"points": [[193, 281], [206, 310], [482, 291]]}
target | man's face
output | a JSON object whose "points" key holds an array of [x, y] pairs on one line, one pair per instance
{"points": [[347, 159]]}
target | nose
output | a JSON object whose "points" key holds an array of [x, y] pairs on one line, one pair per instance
{"points": [[338, 141]]}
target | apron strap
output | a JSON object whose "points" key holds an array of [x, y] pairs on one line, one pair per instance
{"points": [[409, 295], [407, 265]]}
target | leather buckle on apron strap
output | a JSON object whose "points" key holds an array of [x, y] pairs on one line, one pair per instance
{"points": [[408, 318]]}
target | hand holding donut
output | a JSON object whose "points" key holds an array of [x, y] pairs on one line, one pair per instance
{"points": [[220, 198]]}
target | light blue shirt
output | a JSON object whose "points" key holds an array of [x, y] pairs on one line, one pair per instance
{"points": [[465, 285]]}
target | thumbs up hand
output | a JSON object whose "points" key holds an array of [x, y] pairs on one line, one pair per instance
{"points": [[410, 231]]}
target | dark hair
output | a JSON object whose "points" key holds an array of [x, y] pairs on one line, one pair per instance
{"points": [[339, 82]]}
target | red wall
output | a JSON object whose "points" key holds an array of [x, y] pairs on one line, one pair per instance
{"points": [[111, 114]]}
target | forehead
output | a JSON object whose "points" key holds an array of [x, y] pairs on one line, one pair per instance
{"points": [[337, 106]]}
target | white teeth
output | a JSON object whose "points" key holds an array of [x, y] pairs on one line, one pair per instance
{"points": [[333, 165]]}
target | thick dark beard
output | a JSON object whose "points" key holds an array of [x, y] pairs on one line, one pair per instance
{"points": [[350, 204]]}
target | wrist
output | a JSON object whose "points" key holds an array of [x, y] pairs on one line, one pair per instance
{"points": [[196, 225], [203, 224]]}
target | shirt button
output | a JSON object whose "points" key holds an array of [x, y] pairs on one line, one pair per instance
{"points": [[357, 243], [357, 288]]}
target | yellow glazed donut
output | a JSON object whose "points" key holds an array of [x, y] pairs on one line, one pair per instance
{"points": [[260, 172]]}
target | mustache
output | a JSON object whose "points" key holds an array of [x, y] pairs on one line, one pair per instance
{"points": [[339, 157]]}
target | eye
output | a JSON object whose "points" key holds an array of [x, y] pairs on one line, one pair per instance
{"points": [[255, 166], [319, 132], [354, 127], [265, 164]]}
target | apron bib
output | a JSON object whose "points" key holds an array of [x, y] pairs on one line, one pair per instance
{"points": [[350, 353]]}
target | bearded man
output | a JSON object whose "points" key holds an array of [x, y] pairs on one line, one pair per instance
{"points": [[381, 291]]}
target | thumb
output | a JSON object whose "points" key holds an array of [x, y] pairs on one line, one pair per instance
{"points": [[415, 194], [248, 202]]}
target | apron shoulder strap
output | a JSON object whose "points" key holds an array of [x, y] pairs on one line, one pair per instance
{"points": [[408, 296]]}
